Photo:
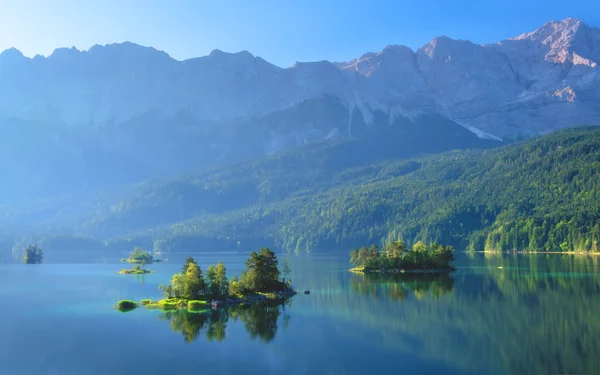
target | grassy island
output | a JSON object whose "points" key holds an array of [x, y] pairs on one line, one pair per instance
{"points": [[396, 257], [136, 270], [193, 290]]}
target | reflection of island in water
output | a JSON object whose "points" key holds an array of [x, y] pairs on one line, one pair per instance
{"points": [[397, 286], [260, 319], [507, 314]]}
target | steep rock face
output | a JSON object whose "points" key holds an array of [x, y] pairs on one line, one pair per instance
{"points": [[557, 68], [534, 83], [467, 78]]}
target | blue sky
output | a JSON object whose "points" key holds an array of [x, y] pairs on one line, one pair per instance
{"points": [[280, 31]]}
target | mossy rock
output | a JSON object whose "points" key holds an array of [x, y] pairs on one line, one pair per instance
{"points": [[126, 305]]}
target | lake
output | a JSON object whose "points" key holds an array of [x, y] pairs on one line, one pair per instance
{"points": [[509, 314]]}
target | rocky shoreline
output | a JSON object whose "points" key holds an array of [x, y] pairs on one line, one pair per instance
{"points": [[232, 301], [174, 303]]}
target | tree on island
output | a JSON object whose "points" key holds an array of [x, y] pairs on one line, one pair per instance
{"points": [[33, 254], [188, 261], [262, 273], [217, 282], [260, 276], [396, 257], [235, 287], [188, 284], [138, 256], [192, 284]]}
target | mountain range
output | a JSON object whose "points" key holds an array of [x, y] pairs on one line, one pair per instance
{"points": [[116, 115], [535, 82]]}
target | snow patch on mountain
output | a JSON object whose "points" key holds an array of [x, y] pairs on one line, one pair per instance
{"points": [[483, 135]]}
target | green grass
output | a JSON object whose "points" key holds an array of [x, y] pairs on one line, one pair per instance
{"points": [[168, 304], [175, 303], [126, 305]]}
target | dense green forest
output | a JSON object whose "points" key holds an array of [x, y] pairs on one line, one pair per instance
{"points": [[538, 195]]}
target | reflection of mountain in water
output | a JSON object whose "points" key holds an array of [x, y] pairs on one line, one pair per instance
{"points": [[260, 320]]}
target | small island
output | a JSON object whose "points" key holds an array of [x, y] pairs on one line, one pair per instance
{"points": [[396, 257], [194, 290], [136, 270], [140, 256], [33, 254]]}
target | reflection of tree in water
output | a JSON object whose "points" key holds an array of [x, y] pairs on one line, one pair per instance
{"points": [[399, 286], [260, 320], [523, 314], [141, 278], [191, 323], [217, 326]]}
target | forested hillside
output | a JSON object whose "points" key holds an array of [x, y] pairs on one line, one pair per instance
{"points": [[543, 194]]}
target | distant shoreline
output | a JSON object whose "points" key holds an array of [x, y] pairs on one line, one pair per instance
{"points": [[402, 271], [536, 252]]}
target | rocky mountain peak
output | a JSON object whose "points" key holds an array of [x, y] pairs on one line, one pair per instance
{"points": [[569, 40], [368, 63], [554, 31], [445, 47]]}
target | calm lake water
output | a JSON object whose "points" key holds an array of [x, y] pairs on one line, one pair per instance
{"points": [[537, 314]]}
